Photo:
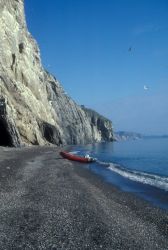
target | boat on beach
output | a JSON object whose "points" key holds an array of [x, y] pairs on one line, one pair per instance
{"points": [[77, 158]]}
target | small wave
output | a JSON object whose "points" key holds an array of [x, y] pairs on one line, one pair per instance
{"points": [[103, 163], [142, 177]]}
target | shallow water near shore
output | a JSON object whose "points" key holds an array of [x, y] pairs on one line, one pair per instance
{"points": [[137, 166]]}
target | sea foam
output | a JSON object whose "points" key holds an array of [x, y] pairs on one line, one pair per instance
{"points": [[142, 177]]}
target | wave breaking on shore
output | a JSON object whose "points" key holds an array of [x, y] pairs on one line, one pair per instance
{"points": [[142, 177]]}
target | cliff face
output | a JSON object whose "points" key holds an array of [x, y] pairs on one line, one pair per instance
{"points": [[34, 108], [99, 123]]}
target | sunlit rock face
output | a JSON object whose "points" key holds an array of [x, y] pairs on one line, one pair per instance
{"points": [[34, 109]]}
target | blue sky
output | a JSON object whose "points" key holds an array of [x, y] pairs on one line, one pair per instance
{"points": [[104, 52]]}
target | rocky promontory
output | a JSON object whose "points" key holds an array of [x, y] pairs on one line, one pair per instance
{"points": [[34, 109]]}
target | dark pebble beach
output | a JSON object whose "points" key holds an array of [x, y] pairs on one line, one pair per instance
{"points": [[47, 202]]}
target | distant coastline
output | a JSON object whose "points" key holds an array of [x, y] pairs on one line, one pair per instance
{"points": [[155, 136], [125, 135]]}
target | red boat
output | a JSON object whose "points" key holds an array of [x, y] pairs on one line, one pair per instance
{"points": [[76, 157]]}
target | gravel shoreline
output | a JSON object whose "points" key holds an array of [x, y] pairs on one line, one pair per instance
{"points": [[47, 202]]}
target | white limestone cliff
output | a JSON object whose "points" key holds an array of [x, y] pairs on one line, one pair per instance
{"points": [[34, 108]]}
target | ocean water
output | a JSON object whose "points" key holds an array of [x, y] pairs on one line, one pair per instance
{"points": [[138, 166]]}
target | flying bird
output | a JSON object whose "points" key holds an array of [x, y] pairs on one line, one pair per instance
{"points": [[130, 49], [145, 87]]}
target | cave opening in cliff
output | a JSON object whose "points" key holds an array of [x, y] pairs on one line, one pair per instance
{"points": [[5, 137], [48, 133]]}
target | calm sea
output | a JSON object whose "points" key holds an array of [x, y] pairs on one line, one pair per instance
{"points": [[138, 166]]}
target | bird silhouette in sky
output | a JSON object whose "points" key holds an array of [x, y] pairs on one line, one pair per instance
{"points": [[145, 87], [130, 49]]}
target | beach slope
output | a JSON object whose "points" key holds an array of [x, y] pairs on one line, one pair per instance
{"points": [[47, 202]]}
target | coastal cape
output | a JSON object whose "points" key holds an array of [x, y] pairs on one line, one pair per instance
{"points": [[34, 108]]}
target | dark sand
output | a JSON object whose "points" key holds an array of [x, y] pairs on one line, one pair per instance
{"points": [[50, 203]]}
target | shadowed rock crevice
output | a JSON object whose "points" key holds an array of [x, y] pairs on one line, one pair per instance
{"points": [[5, 137], [21, 47], [50, 133], [13, 61], [9, 135]]}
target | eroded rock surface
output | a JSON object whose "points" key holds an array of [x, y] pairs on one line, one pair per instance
{"points": [[34, 107]]}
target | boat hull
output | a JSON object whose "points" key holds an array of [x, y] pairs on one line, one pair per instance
{"points": [[72, 157]]}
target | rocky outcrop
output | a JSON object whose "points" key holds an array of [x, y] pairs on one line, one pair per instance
{"points": [[34, 107], [99, 124]]}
